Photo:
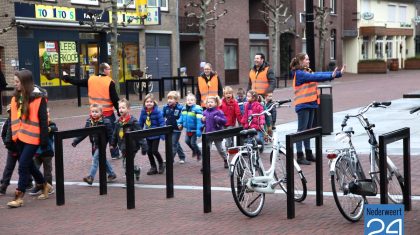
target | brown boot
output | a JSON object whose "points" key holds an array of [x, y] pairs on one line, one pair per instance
{"points": [[45, 191], [18, 201]]}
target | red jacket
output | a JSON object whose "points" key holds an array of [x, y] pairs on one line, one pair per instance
{"points": [[257, 121], [232, 112]]}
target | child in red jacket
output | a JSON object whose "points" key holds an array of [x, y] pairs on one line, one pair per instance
{"points": [[232, 112], [253, 107]]}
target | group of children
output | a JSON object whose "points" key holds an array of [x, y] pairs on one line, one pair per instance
{"points": [[217, 115]]}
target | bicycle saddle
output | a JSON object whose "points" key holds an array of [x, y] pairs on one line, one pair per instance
{"points": [[249, 132], [349, 130]]}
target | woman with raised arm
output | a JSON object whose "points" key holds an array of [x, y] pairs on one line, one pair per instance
{"points": [[306, 99]]}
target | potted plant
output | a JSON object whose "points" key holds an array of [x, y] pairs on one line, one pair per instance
{"points": [[372, 66], [412, 63]]}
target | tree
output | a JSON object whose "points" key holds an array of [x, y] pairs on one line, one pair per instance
{"points": [[206, 13], [276, 16], [323, 26]]}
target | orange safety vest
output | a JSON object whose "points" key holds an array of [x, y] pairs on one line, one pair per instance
{"points": [[259, 80], [209, 88], [98, 92], [305, 93], [26, 129]]}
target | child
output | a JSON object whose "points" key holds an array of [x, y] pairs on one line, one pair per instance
{"points": [[44, 157], [96, 119], [125, 123], [171, 112], [215, 120], [152, 117], [231, 110], [241, 99], [270, 120], [190, 120], [12, 154], [253, 107]]}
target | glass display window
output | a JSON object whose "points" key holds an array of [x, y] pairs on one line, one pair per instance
{"points": [[88, 60]]}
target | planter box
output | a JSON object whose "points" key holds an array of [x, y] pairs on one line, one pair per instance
{"points": [[412, 64], [372, 67]]}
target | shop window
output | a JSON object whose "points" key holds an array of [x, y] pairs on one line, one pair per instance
{"points": [[89, 60], [128, 60], [54, 57], [365, 48], [379, 44], [388, 47], [257, 46], [163, 4]]}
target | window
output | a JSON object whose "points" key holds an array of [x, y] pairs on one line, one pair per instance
{"points": [[303, 40], [332, 45], [333, 6], [365, 6], [86, 2], [321, 3], [392, 13], [365, 48], [379, 47], [388, 47], [257, 46], [231, 55], [163, 4], [403, 14], [120, 3]]}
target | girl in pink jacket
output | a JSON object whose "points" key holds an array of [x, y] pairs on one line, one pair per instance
{"points": [[253, 107]]}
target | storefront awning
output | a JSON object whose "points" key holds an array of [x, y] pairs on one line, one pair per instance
{"points": [[383, 31]]}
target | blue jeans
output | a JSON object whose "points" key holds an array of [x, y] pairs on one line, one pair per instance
{"points": [[27, 166], [305, 121], [191, 141], [115, 152], [176, 146], [95, 165]]}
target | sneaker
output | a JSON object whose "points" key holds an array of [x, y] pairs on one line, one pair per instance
{"points": [[115, 157], [88, 180], [3, 189], [182, 161], [51, 191], [137, 171], [112, 177], [37, 190], [152, 171], [161, 168]]}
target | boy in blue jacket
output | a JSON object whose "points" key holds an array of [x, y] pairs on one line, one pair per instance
{"points": [[172, 112], [190, 120]]}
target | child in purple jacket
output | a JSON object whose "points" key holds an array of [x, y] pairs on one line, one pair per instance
{"points": [[214, 120]]}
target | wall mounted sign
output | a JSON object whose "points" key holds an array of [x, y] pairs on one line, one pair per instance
{"points": [[367, 15]]}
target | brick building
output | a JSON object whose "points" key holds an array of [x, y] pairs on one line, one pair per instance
{"points": [[55, 35]]}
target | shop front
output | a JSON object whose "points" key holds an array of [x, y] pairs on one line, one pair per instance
{"points": [[48, 46]]}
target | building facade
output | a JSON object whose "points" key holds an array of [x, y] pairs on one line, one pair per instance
{"points": [[56, 36], [378, 30]]}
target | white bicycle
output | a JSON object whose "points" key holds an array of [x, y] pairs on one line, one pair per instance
{"points": [[248, 178]]}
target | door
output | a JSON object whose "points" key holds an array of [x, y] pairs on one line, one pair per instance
{"points": [[158, 56]]}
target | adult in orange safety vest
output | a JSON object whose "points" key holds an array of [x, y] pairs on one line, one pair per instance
{"points": [[261, 76], [101, 90], [305, 84], [208, 85], [29, 131]]}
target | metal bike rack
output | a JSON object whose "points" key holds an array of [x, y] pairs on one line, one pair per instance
{"points": [[59, 136], [208, 138], [130, 138], [147, 81], [290, 140], [384, 140]]}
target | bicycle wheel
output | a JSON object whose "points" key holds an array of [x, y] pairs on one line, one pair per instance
{"points": [[280, 175], [350, 205], [395, 182], [249, 202]]}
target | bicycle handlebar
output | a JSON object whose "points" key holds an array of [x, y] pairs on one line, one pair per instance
{"points": [[277, 103], [414, 110], [374, 104]]}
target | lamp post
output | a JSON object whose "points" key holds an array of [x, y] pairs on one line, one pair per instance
{"points": [[310, 39]]}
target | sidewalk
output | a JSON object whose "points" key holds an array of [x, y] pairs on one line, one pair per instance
{"points": [[85, 212]]}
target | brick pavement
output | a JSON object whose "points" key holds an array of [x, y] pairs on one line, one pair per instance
{"points": [[86, 212]]}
